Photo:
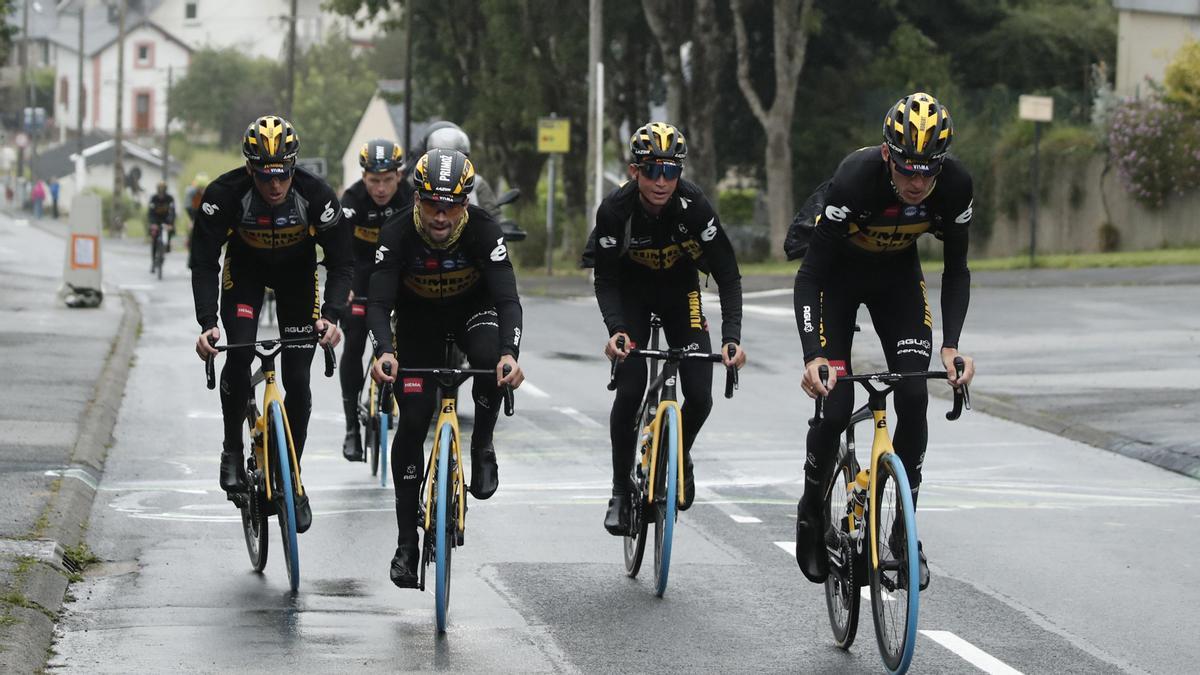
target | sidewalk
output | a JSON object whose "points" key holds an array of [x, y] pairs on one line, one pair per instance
{"points": [[63, 378]]}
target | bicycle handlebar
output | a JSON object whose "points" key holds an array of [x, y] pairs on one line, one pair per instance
{"points": [[508, 393], [456, 376], [962, 396], [731, 374], [270, 346]]}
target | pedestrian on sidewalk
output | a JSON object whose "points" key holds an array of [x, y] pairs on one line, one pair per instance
{"points": [[37, 195], [54, 197]]}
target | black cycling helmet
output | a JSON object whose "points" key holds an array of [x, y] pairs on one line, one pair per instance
{"points": [[657, 141], [380, 156], [449, 137], [445, 176], [918, 131], [271, 144]]}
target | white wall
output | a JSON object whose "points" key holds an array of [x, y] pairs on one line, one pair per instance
{"points": [[100, 72], [254, 27], [1146, 43]]}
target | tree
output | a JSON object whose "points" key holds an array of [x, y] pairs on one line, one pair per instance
{"points": [[330, 72], [791, 28], [693, 92], [224, 90]]}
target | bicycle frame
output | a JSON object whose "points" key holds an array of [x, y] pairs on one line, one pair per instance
{"points": [[260, 434], [667, 381], [447, 422]]}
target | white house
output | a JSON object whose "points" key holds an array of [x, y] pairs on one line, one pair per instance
{"points": [[1149, 34], [150, 53]]}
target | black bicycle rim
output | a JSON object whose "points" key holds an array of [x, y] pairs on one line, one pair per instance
{"points": [[842, 597], [254, 523]]}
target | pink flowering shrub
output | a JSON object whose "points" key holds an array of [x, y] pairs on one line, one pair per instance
{"points": [[1155, 147]]}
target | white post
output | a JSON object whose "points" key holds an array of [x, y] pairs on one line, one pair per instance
{"points": [[550, 217], [598, 173]]}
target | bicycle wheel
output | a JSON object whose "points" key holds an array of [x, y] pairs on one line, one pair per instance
{"points": [[444, 535], [369, 418], [666, 500], [841, 586], [894, 591], [254, 517], [381, 459], [285, 492], [635, 544]]}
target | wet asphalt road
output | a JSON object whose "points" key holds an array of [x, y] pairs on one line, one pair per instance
{"points": [[1047, 555]]}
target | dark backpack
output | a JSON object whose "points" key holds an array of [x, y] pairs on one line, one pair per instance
{"points": [[800, 232]]}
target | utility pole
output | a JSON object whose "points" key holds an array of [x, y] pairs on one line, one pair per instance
{"points": [[118, 193], [408, 56], [166, 153], [24, 83], [79, 92], [291, 65], [595, 124]]}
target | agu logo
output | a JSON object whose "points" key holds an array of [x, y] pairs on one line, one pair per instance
{"points": [[245, 312]]}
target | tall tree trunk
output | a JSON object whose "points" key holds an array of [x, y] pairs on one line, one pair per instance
{"points": [[662, 17], [790, 36], [710, 49]]}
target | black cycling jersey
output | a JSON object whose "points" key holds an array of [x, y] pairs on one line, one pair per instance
{"points": [[864, 221], [475, 270], [663, 251], [365, 219], [279, 241], [161, 208]]}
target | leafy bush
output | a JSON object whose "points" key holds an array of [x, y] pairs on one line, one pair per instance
{"points": [[736, 206], [1155, 146]]}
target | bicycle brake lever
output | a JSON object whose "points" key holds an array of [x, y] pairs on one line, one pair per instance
{"points": [[731, 374], [612, 373], [962, 397], [819, 413], [330, 361], [210, 368], [508, 393]]}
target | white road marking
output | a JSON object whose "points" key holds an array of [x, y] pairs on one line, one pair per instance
{"points": [[528, 387], [204, 415], [789, 547], [970, 653], [772, 293], [744, 519], [766, 310], [579, 417]]}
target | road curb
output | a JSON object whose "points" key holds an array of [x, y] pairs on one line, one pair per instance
{"points": [[39, 588]]}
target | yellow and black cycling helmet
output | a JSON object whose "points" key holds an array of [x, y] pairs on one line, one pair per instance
{"points": [[445, 176], [918, 131], [657, 141], [380, 156], [270, 144]]}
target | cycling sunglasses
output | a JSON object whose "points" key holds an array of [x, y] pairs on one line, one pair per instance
{"points": [[929, 170], [274, 175], [441, 205], [668, 170]]}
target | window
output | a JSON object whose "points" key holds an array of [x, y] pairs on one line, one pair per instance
{"points": [[64, 92], [189, 10], [143, 55]]}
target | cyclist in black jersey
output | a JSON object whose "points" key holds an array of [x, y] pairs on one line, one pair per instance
{"points": [[160, 212], [651, 236], [442, 268], [272, 215], [365, 206], [880, 200]]}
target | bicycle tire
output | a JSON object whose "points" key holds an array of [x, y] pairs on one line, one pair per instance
{"points": [[254, 520], [842, 597], [895, 598], [283, 486], [635, 545], [381, 460], [666, 502], [371, 426], [443, 537]]}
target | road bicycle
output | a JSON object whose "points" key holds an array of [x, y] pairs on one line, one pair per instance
{"points": [[160, 237], [376, 424], [872, 534], [442, 513], [272, 469], [657, 480]]}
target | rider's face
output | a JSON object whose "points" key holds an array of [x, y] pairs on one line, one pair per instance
{"points": [[912, 187], [272, 186], [439, 218], [381, 186], [653, 184]]}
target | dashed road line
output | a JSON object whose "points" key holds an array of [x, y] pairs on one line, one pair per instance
{"points": [[970, 653], [744, 519], [579, 417], [528, 388]]}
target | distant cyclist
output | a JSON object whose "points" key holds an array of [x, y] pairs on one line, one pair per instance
{"points": [[272, 215], [442, 268], [161, 213], [651, 235], [880, 200], [366, 204]]}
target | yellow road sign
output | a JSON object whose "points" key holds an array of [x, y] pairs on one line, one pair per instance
{"points": [[553, 135]]}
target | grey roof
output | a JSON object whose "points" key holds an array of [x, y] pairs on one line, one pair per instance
{"points": [[1178, 7], [60, 24], [56, 161]]}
